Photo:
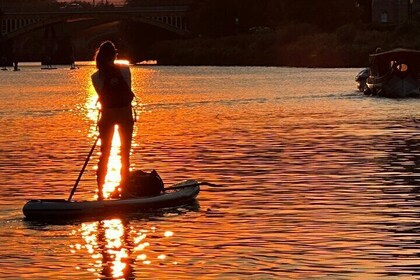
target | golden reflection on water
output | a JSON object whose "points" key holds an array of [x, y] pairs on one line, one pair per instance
{"points": [[114, 236], [113, 177], [105, 242], [115, 248], [341, 172], [92, 107]]}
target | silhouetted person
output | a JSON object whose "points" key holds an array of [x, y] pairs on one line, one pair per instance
{"points": [[73, 62], [3, 63], [48, 62], [15, 64], [113, 85]]}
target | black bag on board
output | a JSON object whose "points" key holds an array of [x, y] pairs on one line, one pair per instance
{"points": [[143, 184]]}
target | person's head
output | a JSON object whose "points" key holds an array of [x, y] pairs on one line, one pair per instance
{"points": [[105, 55]]}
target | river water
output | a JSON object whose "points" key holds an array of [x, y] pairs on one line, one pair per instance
{"points": [[318, 181]]}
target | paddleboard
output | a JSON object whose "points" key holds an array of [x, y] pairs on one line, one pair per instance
{"points": [[44, 209]]}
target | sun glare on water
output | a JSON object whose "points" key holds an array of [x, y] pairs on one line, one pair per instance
{"points": [[122, 61], [113, 177], [118, 248]]}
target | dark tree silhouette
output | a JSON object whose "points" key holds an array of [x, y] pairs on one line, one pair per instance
{"points": [[225, 17]]}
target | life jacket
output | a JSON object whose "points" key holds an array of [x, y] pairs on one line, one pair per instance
{"points": [[115, 93]]}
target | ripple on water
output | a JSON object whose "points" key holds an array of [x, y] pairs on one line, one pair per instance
{"points": [[316, 181]]}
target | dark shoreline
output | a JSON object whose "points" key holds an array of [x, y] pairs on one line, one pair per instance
{"points": [[221, 52], [296, 45]]}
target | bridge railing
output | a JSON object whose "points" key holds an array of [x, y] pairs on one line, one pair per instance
{"points": [[170, 17], [122, 9]]}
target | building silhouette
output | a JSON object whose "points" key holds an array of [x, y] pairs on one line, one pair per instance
{"points": [[393, 12]]}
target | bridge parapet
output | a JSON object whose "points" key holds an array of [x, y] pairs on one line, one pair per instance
{"points": [[172, 18]]}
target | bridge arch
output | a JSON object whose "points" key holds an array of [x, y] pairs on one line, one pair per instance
{"points": [[17, 24]]}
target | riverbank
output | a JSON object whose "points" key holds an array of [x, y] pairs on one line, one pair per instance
{"points": [[297, 45]]}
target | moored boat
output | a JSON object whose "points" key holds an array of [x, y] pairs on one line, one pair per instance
{"points": [[46, 209], [361, 78], [394, 74]]}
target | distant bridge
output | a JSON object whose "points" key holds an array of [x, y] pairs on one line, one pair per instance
{"points": [[171, 18]]}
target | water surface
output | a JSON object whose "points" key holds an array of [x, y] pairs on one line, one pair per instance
{"points": [[319, 182]]}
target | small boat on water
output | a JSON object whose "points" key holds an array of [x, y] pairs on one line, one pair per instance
{"points": [[361, 78], [53, 209], [394, 74]]}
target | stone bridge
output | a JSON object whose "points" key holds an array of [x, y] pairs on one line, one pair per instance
{"points": [[171, 18]]}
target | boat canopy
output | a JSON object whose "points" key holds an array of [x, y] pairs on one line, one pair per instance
{"points": [[401, 59]]}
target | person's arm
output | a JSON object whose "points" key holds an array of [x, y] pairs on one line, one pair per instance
{"points": [[126, 73], [129, 77], [97, 83]]}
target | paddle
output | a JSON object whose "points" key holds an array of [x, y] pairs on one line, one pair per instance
{"points": [[192, 185], [83, 169]]}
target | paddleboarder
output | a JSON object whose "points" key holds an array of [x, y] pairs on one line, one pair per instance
{"points": [[112, 83]]}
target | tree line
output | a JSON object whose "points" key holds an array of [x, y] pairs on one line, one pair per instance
{"points": [[268, 32], [227, 17]]}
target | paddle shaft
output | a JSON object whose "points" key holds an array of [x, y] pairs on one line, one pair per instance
{"points": [[83, 169], [192, 185]]}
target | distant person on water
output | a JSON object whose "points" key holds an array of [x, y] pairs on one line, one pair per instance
{"points": [[3, 63], [112, 83]]}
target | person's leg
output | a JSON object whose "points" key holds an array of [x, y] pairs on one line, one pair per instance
{"points": [[106, 132], [125, 130]]}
